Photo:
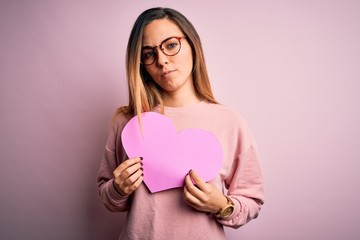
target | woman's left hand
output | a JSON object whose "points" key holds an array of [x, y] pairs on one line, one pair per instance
{"points": [[202, 196]]}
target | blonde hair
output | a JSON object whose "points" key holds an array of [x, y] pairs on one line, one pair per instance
{"points": [[144, 93]]}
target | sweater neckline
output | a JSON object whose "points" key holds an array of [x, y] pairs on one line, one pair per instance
{"points": [[182, 110]]}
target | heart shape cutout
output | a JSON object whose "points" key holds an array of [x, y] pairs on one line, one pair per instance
{"points": [[168, 155]]}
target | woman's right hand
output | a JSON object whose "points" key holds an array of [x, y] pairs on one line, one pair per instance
{"points": [[128, 176]]}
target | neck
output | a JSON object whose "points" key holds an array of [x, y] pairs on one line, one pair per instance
{"points": [[180, 100]]}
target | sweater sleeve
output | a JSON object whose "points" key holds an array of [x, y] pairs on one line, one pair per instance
{"points": [[113, 156], [245, 188]]}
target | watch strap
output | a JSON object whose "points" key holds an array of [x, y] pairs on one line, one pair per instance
{"points": [[227, 210]]}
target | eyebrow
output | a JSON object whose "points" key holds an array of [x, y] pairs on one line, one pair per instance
{"points": [[151, 47], [147, 47]]}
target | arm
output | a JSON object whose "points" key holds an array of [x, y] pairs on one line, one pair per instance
{"points": [[245, 188], [111, 198], [116, 179]]}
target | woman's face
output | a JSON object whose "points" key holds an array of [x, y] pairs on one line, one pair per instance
{"points": [[171, 73]]}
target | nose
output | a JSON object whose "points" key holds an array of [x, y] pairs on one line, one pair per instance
{"points": [[162, 59]]}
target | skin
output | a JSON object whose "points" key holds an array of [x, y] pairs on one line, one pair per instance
{"points": [[128, 176], [173, 75]]}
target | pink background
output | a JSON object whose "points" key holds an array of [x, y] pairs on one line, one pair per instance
{"points": [[291, 68]]}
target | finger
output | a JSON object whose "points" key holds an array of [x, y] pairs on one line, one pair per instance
{"points": [[137, 183], [191, 199], [127, 163], [132, 183], [193, 205], [130, 171], [198, 180], [191, 188], [133, 177], [121, 176], [127, 173], [131, 188]]}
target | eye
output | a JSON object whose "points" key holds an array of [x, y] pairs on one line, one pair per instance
{"points": [[171, 45], [148, 54]]}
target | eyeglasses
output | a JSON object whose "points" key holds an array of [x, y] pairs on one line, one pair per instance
{"points": [[170, 47]]}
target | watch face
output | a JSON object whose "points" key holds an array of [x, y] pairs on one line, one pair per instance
{"points": [[227, 211]]}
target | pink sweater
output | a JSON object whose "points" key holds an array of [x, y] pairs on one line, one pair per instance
{"points": [[165, 215]]}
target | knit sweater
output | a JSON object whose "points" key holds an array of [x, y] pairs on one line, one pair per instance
{"points": [[165, 214]]}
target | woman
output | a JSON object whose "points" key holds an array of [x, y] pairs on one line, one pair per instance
{"points": [[167, 74]]}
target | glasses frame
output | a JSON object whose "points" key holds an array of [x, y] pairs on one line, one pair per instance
{"points": [[162, 49]]}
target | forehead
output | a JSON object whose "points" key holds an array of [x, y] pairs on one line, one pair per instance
{"points": [[158, 30]]}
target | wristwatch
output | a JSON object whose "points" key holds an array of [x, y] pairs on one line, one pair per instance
{"points": [[226, 211]]}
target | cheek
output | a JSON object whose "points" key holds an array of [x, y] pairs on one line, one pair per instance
{"points": [[186, 62], [150, 71]]}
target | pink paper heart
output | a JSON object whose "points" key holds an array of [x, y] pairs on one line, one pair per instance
{"points": [[168, 155]]}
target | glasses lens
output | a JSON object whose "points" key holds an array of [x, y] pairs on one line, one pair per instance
{"points": [[171, 46], [148, 56]]}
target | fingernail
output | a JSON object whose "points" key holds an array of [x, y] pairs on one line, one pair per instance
{"points": [[141, 158], [141, 169], [141, 164], [142, 174]]}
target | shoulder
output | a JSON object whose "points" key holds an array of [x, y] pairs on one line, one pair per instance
{"points": [[114, 133], [229, 120], [230, 126], [225, 114], [119, 121]]}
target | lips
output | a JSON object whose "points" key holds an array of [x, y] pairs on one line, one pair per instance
{"points": [[166, 73]]}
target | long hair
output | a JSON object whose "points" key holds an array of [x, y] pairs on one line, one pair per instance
{"points": [[144, 93]]}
